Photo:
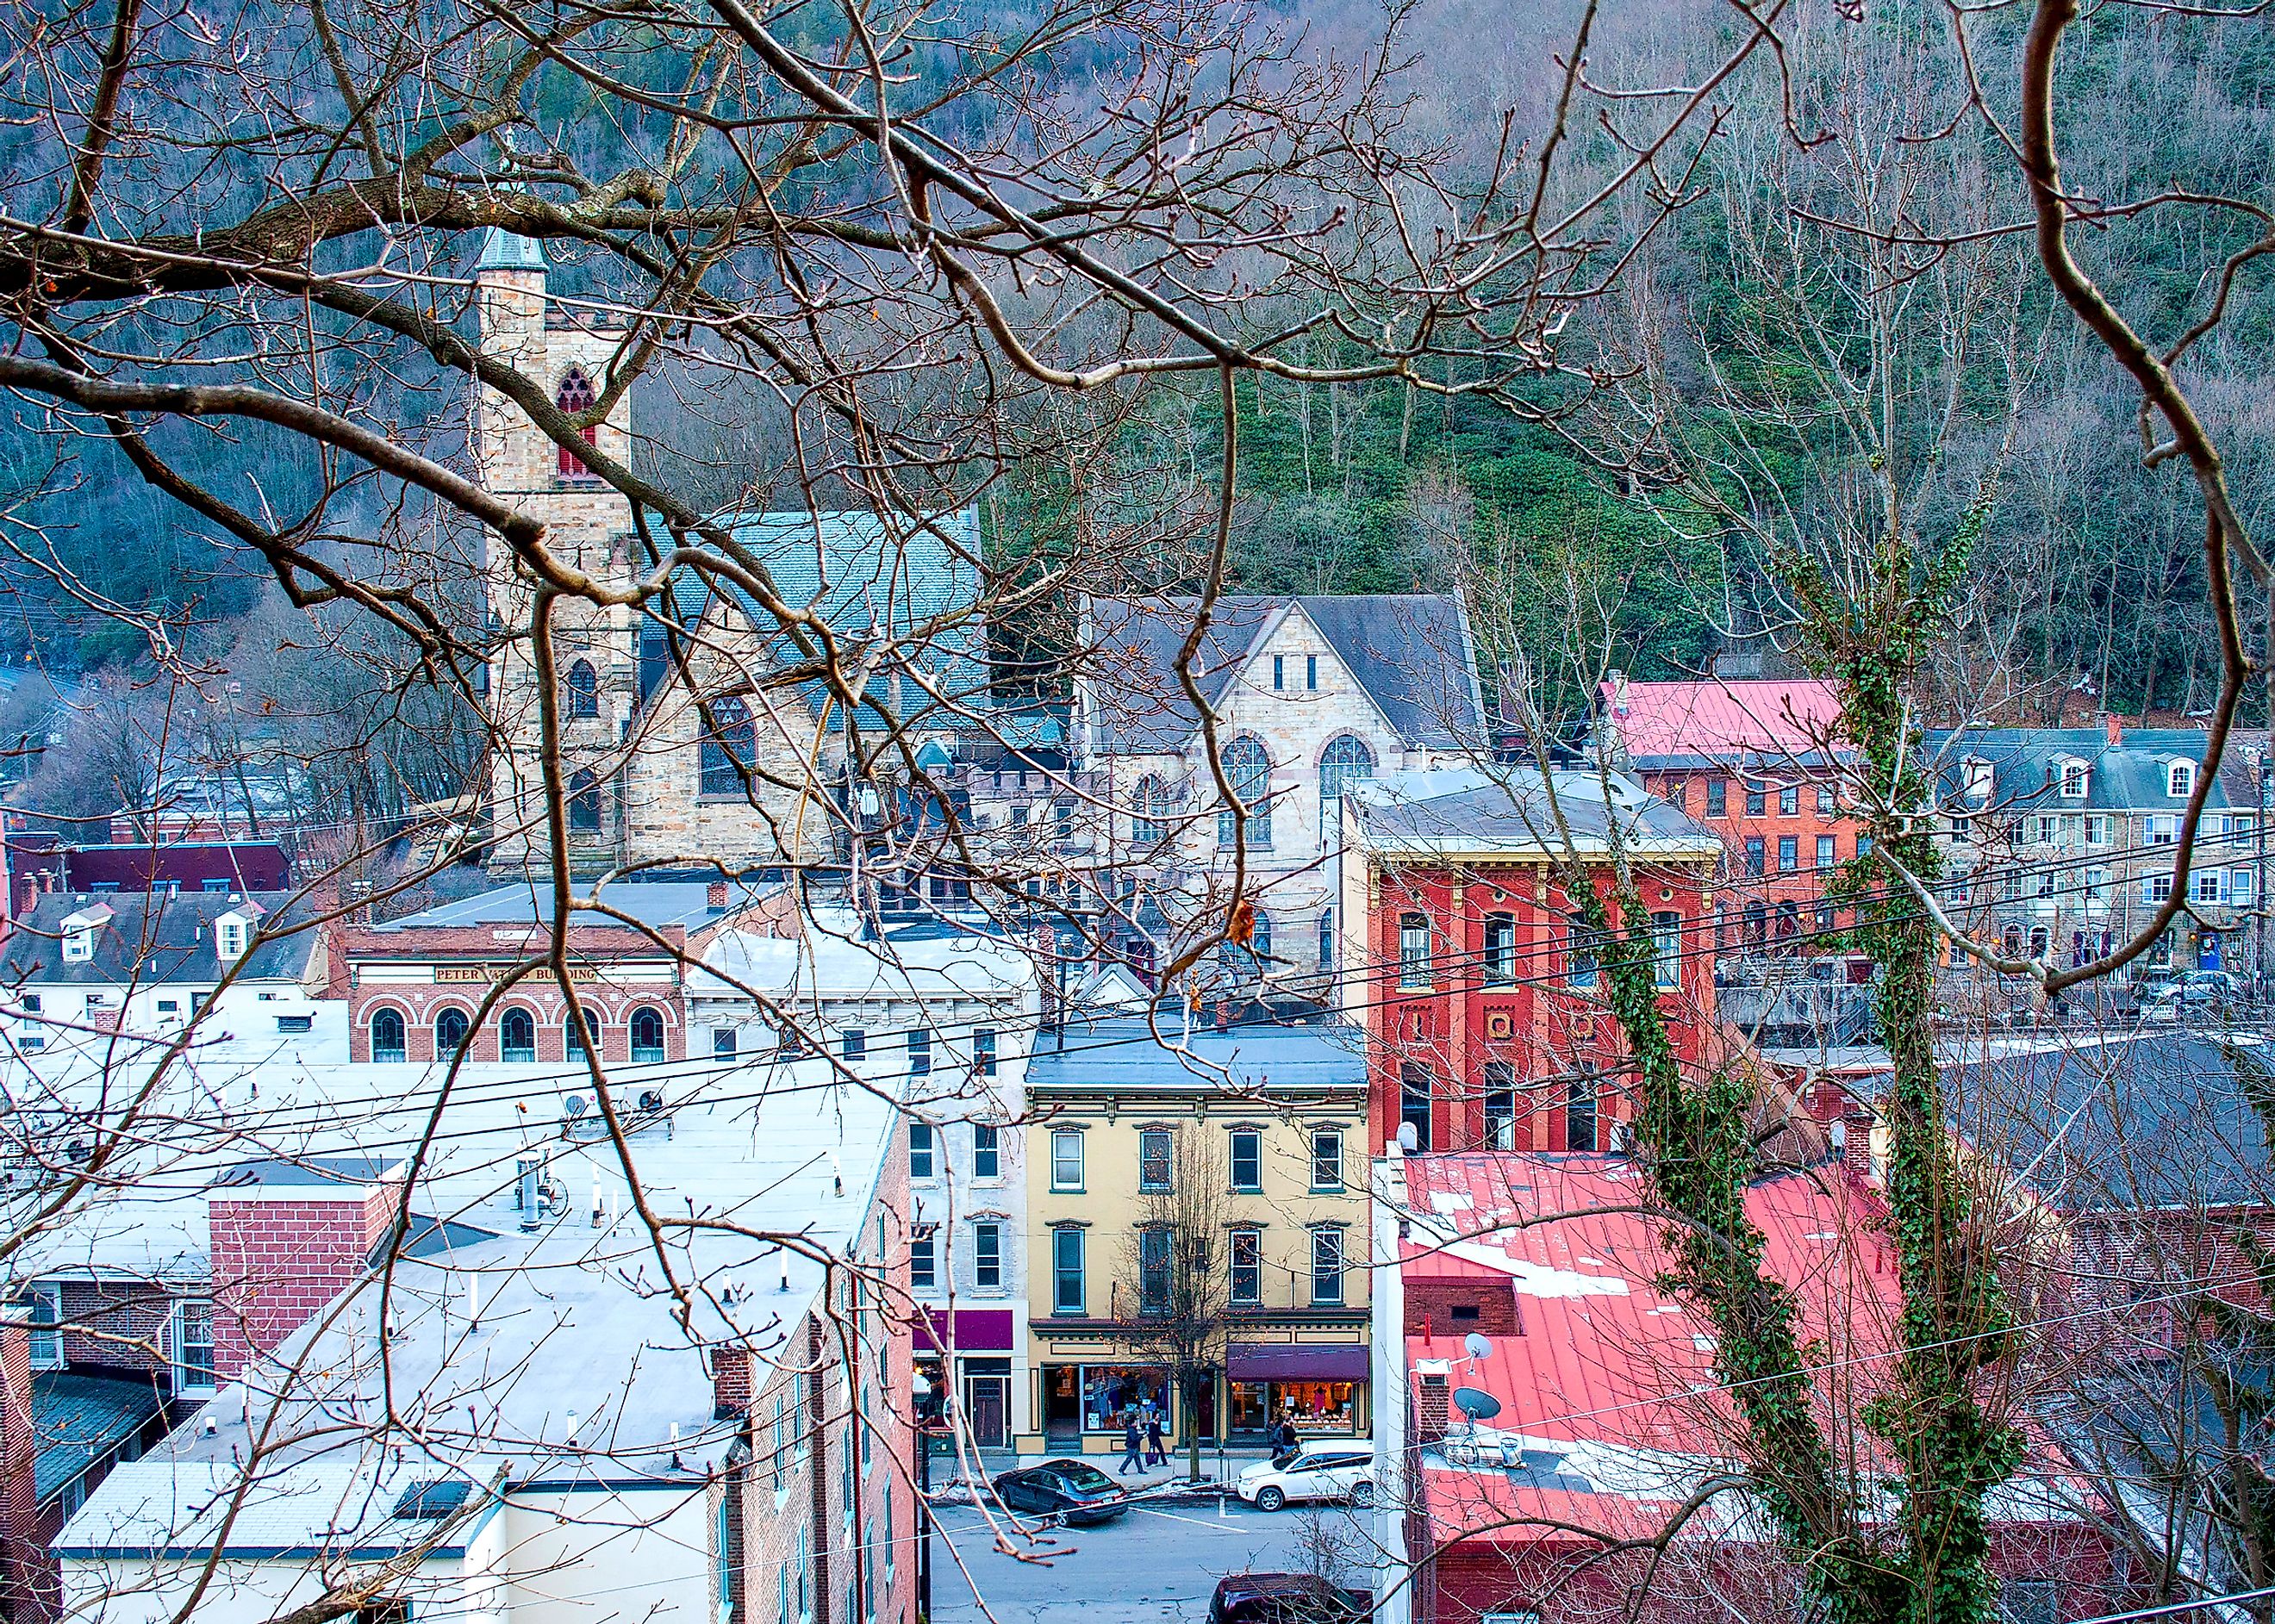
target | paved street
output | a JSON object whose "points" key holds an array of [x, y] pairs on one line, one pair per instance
{"points": [[1154, 1565]]}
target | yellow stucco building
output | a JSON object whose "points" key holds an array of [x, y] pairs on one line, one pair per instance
{"points": [[1205, 1202]]}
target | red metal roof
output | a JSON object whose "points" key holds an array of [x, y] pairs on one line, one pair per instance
{"points": [[1605, 1361], [1723, 719]]}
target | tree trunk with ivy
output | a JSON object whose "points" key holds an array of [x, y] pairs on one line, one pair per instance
{"points": [[1955, 1320], [1693, 1140]]}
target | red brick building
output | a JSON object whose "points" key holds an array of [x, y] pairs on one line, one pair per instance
{"points": [[1473, 977], [1758, 763], [415, 985]]}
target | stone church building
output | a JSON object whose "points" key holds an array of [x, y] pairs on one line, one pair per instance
{"points": [[687, 735]]}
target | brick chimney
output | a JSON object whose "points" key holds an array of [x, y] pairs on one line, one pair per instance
{"points": [[730, 1382], [2114, 726], [26, 1584], [285, 1241]]}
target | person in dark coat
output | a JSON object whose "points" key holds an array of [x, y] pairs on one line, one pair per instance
{"points": [[1155, 1454], [1133, 1439]]}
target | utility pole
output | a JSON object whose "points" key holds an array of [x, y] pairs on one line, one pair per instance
{"points": [[2259, 885]]}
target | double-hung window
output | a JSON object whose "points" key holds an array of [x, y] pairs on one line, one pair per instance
{"points": [[988, 1255], [1326, 1159], [1247, 1288], [1247, 1161], [1066, 1159], [1154, 1159], [920, 1151], [1326, 1267], [1066, 1271], [986, 1151]]}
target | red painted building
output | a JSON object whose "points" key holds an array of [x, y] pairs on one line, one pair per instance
{"points": [[1758, 763], [1473, 977]]}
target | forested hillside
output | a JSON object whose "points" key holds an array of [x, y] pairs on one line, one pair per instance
{"points": [[1707, 417]]}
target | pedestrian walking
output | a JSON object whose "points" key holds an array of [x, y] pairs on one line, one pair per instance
{"points": [[1155, 1454], [1133, 1439]]}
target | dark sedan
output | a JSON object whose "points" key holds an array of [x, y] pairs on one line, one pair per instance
{"points": [[1073, 1492], [1286, 1598]]}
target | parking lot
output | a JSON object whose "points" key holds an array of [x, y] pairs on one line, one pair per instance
{"points": [[1159, 1563]]}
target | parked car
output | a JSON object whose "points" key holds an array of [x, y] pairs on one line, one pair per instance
{"points": [[1286, 1598], [1310, 1472], [2177, 1000], [1072, 1491]]}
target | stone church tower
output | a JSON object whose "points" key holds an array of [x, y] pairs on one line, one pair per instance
{"points": [[650, 778], [587, 524]]}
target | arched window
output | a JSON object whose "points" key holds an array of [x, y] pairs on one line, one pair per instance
{"points": [[572, 1040], [1249, 771], [730, 748], [1247, 963], [583, 685], [1149, 809], [517, 1035], [387, 1036], [583, 804], [1346, 761], [575, 396], [648, 1034], [450, 1032]]}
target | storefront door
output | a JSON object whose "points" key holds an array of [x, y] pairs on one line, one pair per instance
{"points": [[987, 1405]]}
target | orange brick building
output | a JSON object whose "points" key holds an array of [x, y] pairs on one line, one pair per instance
{"points": [[1759, 762]]}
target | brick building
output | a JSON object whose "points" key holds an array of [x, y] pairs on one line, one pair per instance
{"points": [[413, 985], [1603, 1418], [1477, 987], [1759, 763]]}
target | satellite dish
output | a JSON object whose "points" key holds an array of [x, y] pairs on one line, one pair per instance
{"points": [[1477, 1346], [1476, 1403], [574, 1106]]}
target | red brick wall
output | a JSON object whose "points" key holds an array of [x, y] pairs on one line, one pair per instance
{"points": [[1805, 886], [115, 1324], [276, 1263], [1540, 1025], [26, 1575], [1429, 1305], [538, 994]]}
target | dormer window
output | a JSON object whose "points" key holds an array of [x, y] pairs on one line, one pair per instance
{"points": [[2072, 781], [79, 931], [1977, 779], [233, 933], [2181, 781]]}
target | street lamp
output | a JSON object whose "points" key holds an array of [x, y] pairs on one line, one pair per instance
{"points": [[920, 1393]]}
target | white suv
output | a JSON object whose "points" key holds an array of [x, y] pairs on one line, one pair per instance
{"points": [[1313, 1472]]}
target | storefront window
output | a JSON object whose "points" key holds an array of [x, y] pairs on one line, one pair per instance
{"points": [[1111, 1392], [1325, 1407]]}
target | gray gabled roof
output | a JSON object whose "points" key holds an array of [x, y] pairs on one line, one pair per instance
{"points": [[2127, 775], [2139, 1121], [155, 937], [1412, 653]]}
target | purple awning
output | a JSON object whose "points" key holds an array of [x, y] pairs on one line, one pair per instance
{"points": [[1298, 1361], [977, 1329]]}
